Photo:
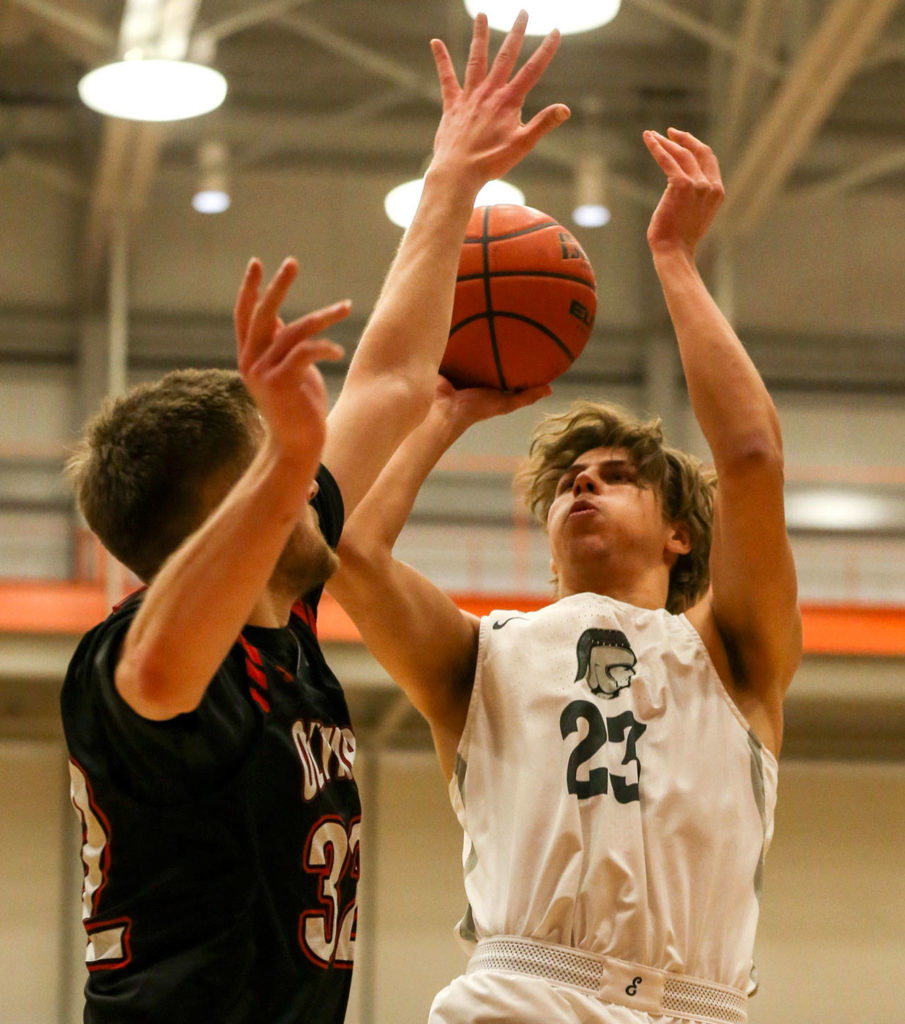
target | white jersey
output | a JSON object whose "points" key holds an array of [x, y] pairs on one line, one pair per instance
{"points": [[613, 797]]}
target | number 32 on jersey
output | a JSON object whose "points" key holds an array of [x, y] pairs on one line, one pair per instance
{"points": [[327, 935]]}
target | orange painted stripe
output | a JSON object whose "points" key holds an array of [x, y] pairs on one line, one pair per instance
{"points": [[40, 607], [847, 629]]}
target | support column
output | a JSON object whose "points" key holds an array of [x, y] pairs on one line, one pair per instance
{"points": [[661, 393]]}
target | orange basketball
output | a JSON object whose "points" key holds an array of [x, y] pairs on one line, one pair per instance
{"points": [[525, 301]]}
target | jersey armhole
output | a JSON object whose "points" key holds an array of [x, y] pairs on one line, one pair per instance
{"points": [[724, 692], [456, 783]]}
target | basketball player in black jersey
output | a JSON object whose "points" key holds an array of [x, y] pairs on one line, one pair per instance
{"points": [[211, 747]]}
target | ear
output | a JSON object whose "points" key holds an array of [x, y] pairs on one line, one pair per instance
{"points": [[553, 571], [678, 539]]}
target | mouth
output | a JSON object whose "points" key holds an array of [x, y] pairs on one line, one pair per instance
{"points": [[581, 506]]}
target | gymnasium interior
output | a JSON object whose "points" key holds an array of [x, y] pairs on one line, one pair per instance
{"points": [[109, 277]]}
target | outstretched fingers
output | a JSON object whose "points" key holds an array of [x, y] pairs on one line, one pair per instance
{"points": [[246, 298], [305, 353], [683, 156], [446, 72], [263, 320], [299, 334], [674, 160], [544, 122], [704, 155], [476, 69], [530, 73], [511, 47]]}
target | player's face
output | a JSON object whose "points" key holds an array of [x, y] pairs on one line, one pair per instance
{"points": [[307, 560], [601, 509]]}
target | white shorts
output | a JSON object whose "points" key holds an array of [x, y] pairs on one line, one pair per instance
{"points": [[491, 997], [523, 981]]}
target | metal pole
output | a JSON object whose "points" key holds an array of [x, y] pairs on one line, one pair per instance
{"points": [[117, 349]]}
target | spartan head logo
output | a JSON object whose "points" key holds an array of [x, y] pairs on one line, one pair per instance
{"points": [[606, 660]]}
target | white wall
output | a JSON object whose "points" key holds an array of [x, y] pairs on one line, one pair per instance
{"points": [[34, 871]]}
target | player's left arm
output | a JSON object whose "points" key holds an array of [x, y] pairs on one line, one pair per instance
{"points": [[389, 386], [754, 594], [426, 644]]}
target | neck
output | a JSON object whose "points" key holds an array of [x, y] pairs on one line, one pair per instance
{"points": [[271, 610], [648, 589]]}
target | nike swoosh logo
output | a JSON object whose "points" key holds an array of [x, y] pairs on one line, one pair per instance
{"points": [[499, 625]]}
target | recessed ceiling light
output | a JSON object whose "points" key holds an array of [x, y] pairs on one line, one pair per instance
{"points": [[591, 215]]}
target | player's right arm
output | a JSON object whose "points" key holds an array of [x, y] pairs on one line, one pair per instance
{"points": [[204, 594], [417, 633], [389, 384]]}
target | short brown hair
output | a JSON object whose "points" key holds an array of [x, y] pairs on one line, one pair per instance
{"points": [[684, 486], [140, 470]]}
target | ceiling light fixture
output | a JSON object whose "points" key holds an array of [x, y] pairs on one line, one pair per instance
{"points": [[212, 194], [569, 16], [402, 201], [592, 208], [837, 509], [153, 90]]}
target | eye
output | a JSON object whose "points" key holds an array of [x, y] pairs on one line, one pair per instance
{"points": [[620, 473], [565, 481]]}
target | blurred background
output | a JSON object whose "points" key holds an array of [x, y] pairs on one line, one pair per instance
{"points": [[109, 276]]}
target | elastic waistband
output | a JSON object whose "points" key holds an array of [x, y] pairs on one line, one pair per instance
{"points": [[613, 981]]}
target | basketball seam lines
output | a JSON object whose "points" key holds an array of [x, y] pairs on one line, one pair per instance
{"points": [[511, 234], [485, 243], [515, 316], [525, 273]]}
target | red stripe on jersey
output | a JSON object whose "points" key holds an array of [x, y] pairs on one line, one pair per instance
{"points": [[259, 699], [251, 652], [307, 614], [139, 590], [256, 674]]}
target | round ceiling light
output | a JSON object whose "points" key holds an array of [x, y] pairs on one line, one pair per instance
{"points": [[569, 16], [401, 202], [153, 90]]}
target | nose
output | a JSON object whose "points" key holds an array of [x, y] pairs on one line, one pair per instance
{"points": [[583, 483], [312, 490]]}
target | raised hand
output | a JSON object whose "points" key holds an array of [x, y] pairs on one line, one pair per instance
{"points": [[694, 190], [481, 131], [277, 360], [464, 407]]}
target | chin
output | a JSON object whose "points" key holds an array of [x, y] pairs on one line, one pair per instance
{"points": [[306, 562]]}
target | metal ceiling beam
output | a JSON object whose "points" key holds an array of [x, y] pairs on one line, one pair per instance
{"points": [[744, 81], [715, 37], [77, 30], [827, 63], [255, 15], [57, 178], [854, 178], [362, 57], [561, 151]]}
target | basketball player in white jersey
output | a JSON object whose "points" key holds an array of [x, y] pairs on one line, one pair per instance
{"points": [[612, 756]]}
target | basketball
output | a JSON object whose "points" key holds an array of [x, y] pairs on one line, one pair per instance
{"points": [[524, 304]]}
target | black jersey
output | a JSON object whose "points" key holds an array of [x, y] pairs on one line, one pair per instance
{"points": [[221, 846]]}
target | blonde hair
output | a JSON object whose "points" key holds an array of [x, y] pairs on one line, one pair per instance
{"points": [[685, 488]]}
